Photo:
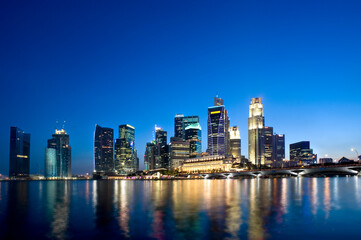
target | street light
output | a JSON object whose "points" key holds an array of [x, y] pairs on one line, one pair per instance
{"points": [[357, 157]]}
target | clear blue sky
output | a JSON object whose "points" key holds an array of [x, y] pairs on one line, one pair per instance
{"points": [[142, 62]]}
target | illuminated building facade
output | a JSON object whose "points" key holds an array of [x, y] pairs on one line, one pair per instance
{"points": [[193, 135], [268, 145], [19, 161], [125, 152], [178, 126], [278, 149], [301, 153], [162, 149], [179, 151], [103, 149], [149, 156], [256, 132], [235, 142], [58, 156], [207, 164], [218, 124]]}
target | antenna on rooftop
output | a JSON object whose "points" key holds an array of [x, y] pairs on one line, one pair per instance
{"points": [[63, 126]]}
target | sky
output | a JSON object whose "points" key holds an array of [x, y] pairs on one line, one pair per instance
{"points": [[143, 62]]}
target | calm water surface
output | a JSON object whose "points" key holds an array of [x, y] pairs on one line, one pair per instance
{"points": [[284, 208]]}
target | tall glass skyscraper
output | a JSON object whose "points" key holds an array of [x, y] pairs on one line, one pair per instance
{"points": [[268, 145], [178, 126], [103, 149], [218, 124], [256, 132], [58, 156], [193, 135], [19, 165], [278, 149], [125, 153], [235, 142]]}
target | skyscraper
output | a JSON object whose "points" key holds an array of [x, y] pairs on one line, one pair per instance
{"points": [[149, 156], [179, 151], [162, 149], [125, 153], [178, 126], [58, 156], [103, 149], [218, 124], [256, 132], [278, 149], [19, 161], [193, 135], [268, 145], [302, 154], [235, 142]]}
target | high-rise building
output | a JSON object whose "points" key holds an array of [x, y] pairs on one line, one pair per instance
{"points": [[268, 145], [179, 150], [162, 150], [256, 132], [149, 156], [193, 135], [218, 124], [302, 154], [235, 142], [178, 126], [103, 149], [278, 149], [160, 136], [58, 156], [19, 165], [125, 152]]}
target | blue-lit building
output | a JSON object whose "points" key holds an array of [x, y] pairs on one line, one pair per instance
{"points": [[19, 165], [125, 152], [193, 135], [58, 156], [103, 149]]}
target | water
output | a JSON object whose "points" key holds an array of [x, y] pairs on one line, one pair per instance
{"points": [[282, 208]]}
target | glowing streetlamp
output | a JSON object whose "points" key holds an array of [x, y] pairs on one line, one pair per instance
{"points": [[357, 157]]}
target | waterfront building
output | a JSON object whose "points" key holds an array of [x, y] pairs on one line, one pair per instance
{"points": [[207, 164], [149, 156], [179, 151], [278, 149], [58, 156], [256, 139], [178, 126], [125, 152], [325, 160], [302, 154], [193, 135], [268, 145], [235, 142], [103, 149], [19, 161], [161, 149], [218, 125]]}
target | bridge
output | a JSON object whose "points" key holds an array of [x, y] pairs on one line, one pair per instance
{"points": [[328, 170]]}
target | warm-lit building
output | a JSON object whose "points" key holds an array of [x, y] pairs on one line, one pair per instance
{"points": [[58, 156], [103, 149], [179, 151], [302, 154], [207, 164], [256, 132], [218, 124], [19, 165], [235, 142]]}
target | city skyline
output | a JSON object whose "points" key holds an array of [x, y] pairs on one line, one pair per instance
{"points": [[306, 70]]}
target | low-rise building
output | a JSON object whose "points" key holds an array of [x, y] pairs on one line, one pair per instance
{"points": [[214, 163]]}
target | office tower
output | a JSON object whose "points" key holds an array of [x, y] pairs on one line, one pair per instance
{"points": [[256, 132], [179, 150], [235, 142], [162, 149], [58, 156], [278, 149], [178, 126], [103, 149], [193, 135], [189, 120], [149, 156], [125, 153], [268, 145], [19, 161], [218, 124], [301, 153]]}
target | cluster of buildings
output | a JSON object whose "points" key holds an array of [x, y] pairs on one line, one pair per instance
{"points": [[182, 153]]}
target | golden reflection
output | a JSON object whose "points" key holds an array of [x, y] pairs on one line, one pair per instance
{"points": [[255, 223], [284, 198], [313, 193], [123, 205], [327, 197]]}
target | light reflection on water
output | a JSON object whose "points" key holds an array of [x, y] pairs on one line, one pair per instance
{"points": [[279, 208]]}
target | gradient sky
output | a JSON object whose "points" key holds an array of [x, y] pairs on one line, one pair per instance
{"points": [[142, 62]]}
